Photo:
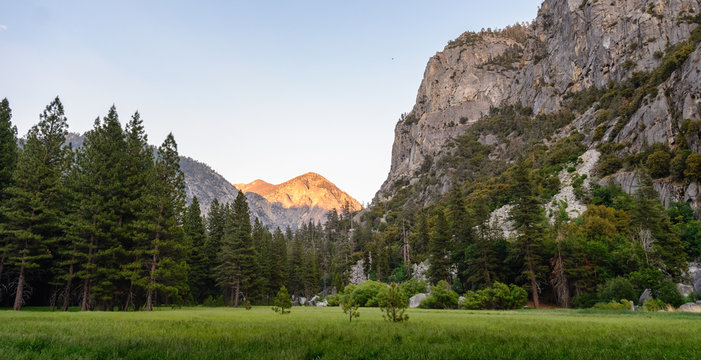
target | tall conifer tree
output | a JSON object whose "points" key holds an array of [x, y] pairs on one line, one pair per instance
{"points": [[33, 210]]}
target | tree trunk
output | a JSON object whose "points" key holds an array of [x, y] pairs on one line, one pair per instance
{"points": [[531, 275], [20, 285], [2, 259], [152, 277], [236, 296], [129, 295], [86, 283], [67, 289]]}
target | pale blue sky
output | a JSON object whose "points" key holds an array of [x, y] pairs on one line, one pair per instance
{"points": [[255, 89]]}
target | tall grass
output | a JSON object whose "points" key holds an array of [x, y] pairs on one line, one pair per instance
{"points": [[310, 333]]}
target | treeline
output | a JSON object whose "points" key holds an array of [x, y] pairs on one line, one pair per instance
{"points": [[106, 226]]}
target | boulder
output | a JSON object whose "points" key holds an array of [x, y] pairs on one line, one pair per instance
{"points": [[322, 303], [684, 289], [690, 307], [313, 300], [644, 296], [415, 300], [302, 300]]}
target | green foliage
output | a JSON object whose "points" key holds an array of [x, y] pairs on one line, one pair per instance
{"points": [[608, 164], [367, 293], [412, 287], [497, 297], [393, 304], [654, 305], [349, 304], [333, 300], [441, 297], [667, 292], [439, 247], [693, 167], [658, 164], [619, 305], [282, 302], [616, 289]]}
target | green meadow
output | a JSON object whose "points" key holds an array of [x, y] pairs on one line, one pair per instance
{"points": [[325, 333]]}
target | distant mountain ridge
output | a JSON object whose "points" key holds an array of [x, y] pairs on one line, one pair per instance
{"points": [[310, 189], [203, 182]]}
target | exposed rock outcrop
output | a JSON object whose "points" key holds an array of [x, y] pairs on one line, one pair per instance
{"points": [[572, 45]]}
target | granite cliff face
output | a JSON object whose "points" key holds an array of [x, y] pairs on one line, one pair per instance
{"points": [[571, 46]]}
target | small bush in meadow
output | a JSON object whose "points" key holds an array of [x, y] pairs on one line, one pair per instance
{"points": [[412, 287], [441, 297], [366, 293], [497, 297], [616, 289], [622, 304], [653, 304], [393, 304]]}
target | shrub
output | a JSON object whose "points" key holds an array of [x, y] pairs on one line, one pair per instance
{"points": [[693, 167], [623, 304], [412, 287], [498, 297], [441, 297], [658, 164], [616, 289], [608, 164], [652, 304], [333, 300], [584, 300], [393, 304], [366, 292], [667, 292]]}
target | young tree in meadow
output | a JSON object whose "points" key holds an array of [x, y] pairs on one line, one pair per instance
{"points": [[32, 210], [8, 162], [237, 257], [282, 302], [439, 250], [393, 304], [195, 239], [166, 264], [529, 216]]}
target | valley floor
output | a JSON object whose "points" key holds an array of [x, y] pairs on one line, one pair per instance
{"points": [[315, 333]]}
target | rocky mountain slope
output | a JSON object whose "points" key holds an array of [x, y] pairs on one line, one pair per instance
{"points": [[310, 189], [574, 48], [206, 184]]}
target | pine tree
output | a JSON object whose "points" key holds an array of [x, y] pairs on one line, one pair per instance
{"points": [[8, 162], [461, 230], [278, 262], [166, 264], [529, 216], [195, 238], [439, 249], [138, 174], [216, 222], [236, 271], [654, 230], [33, 208]]}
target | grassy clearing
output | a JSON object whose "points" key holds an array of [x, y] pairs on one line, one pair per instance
{"points": [[310, 333]]}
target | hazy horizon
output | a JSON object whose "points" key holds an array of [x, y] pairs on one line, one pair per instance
{"points": [[254, 90]]}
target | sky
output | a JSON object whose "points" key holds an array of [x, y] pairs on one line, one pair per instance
{"points": [[255, 89]]}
